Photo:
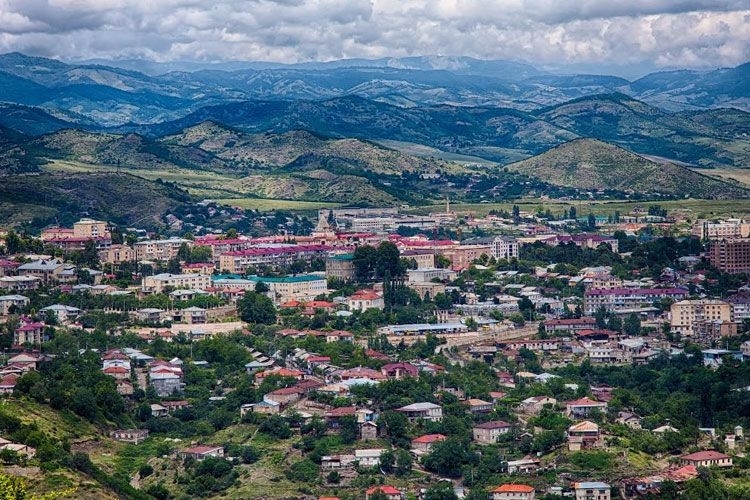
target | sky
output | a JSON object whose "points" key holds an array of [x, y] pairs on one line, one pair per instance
{"points": [[634, 34]]}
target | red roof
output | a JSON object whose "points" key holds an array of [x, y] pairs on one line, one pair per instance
{"points": [[585, 402], [116, 369], [429, 438], [513, 488], [705, 455], [495, 424], [200, 450], [343, 411], [388, 490]]}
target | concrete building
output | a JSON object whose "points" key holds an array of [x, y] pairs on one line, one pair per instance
{"points": [[489, 432], [622, 299], [727, 229], [47, 270], [117, 254], [159, 249], [426, 411], [730, 255], [303, 286], [686, 316], [513, 492], [159, 282], [340, 266], [504, 248], [592, 490], [10, 303]]}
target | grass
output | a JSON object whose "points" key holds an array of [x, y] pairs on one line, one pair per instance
{"points": [[209, 184], [267, 204], [58, 424], [740, 175], [695, 207]]}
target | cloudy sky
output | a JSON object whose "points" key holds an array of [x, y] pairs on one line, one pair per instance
{"points": [[586, 33]]}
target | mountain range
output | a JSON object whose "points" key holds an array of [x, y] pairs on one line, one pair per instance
{"points": [[378, 131]]}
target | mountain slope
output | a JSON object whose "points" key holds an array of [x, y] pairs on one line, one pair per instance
{"points": [[117, 197], [645, 129], [595, 165]]}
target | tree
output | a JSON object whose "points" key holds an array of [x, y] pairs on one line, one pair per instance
{"points": [[388, 260], [632, 325], [441, 491], [447, 457], [364, 261], [591, 221], [256, 308]]}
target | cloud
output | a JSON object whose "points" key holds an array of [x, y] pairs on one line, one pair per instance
{"points": [[661, 33]]}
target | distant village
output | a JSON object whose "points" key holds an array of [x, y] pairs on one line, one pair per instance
{"points": [[343, 320]]}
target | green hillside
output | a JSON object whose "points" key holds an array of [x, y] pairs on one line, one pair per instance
{"points": [[595, 165]]}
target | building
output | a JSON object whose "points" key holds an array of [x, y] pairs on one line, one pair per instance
{"points": [[730, 255], [47, 270], [19, 283], [686, 316], [426, 411], [583, 435], [12, 303], [273, 255], [726, 229], [513, 491], [504, 248], [362, 300], [709, 458], [340, 266], [159, 282], [201, 452], [584, 408], [616, 300], [425, 275], [592, 491], [90, 228], [129, 435], [390, 492], [159, 249], [117, 254], [303, 286], [571, 325], [423, 444], [489, 432]]}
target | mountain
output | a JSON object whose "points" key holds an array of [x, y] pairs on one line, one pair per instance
{"points": [[642, 128], [36, 121], [117, 197], [594, 165]]}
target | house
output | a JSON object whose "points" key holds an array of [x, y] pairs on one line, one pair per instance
{"points": [[362, 300], [117, 372], [26, 361], [523, 466], [513, 492], [333, 417], [583, 435], [8, 383], [390, 492], [489, 432], [47, 270], [201, 452], [62, 312], [336, 461], [399, 370], [284, 396], [584, 408], [426, 411], [263, 407], [165, 382], [708, 458], [158, 410], [368, 457], [535, 404], [129, 435], [423, 444], [175, 405], [628, 418], [10, 303], [367, 430], [29, 333], [479, 406], [592, 491]]}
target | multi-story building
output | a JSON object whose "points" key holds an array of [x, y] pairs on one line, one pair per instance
{"points": [[740, 303], [623, 299], [293, 287], [592, 490], [10, 303], [730, 228], [159, 249], [504, 248], [461, 256], [47, 270], [686, 316], [340, 266], [423, 258], [730, 255], [513, 491], [239, 261], [90, 228], [489, 432], [159, 282], [117, 254]]}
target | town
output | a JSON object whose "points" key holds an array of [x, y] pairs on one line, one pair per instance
{"points": [[380, 354]]}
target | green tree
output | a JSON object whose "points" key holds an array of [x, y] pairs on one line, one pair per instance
{"points": [[632, 325], [440, 491], [365, 261], [254, 307]]}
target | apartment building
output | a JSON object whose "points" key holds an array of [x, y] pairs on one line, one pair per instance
{"points": [[159, 282], [730, 255], [623, 299], [688, 316], [159, 249]]}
